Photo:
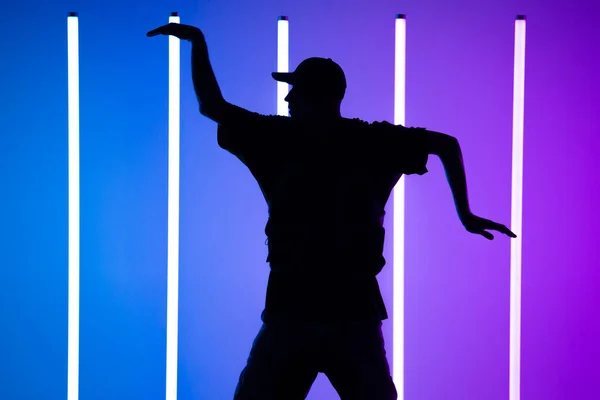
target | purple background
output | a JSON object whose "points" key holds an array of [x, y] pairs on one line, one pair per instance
{"points": [[459, 81]]}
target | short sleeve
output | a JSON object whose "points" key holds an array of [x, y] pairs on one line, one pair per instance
{"points": [[401, 149], [246, 134]]}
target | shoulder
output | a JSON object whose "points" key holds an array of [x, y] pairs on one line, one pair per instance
{"points": [[373, 125], [372, 129], [234, 116]]}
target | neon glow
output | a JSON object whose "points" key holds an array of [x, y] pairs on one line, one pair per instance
{"points": [[74, 258], [173, 214], [283, 62], [398, 227], [517, 210]]}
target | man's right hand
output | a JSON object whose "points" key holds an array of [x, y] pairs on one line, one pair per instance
{"points": [[210, 99], [181, 31]]}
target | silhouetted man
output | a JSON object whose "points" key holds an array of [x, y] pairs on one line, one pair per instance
{"points": [[326, 180]]}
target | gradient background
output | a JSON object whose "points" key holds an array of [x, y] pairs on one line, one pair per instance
{"points": [[459, 81]]}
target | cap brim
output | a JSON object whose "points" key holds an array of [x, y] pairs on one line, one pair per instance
{"points": [[286, 77]]}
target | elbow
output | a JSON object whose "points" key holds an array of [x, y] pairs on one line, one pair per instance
{"points": [[214, 110], [451, 143], [441, 144], [205, 111]]}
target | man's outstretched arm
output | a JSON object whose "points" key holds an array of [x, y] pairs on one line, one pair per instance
{"points": [[210, 100], [448, 149]]}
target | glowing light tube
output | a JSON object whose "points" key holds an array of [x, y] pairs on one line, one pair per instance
{"points": [[398, 227], [173, 214], [517, 210], [283, 62], [73, 165]]}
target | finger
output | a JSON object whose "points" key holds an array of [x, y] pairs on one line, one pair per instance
{"points": [[487, 235], [154, 32], [158, 31], [502, 229], [506, 231], [510, 233]]}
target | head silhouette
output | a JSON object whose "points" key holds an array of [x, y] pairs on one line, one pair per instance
{"points": [[318, 87]]}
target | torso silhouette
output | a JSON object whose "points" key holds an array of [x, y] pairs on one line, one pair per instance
{"points": [[326, 187]]}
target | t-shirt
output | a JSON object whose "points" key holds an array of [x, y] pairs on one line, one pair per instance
{"points": [[326, 186]]}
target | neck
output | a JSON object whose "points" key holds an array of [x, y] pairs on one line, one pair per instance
{"points": [[328, 115]]}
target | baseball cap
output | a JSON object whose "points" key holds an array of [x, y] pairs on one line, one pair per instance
{"points": [[323, 75]]}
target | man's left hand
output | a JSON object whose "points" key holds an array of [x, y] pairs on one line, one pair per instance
{"points": [[480, 226]]}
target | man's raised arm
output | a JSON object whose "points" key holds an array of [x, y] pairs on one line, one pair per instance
{"points": [[211, 101]]}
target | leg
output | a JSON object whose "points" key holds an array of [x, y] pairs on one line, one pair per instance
{"points": [[280, 366], [356, 363]]}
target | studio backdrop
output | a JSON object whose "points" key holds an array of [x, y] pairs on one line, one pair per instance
{"points": [[459, 79]]}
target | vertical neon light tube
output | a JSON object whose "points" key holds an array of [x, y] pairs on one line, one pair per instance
{"points": [[73, 301], [283, 62], [517, 210], [398, 229], [173, 214]]}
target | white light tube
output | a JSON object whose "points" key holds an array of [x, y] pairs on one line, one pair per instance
{"points": [[74, 240], [517, 210], [283, 62], [173, 214], [398, 223]]}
